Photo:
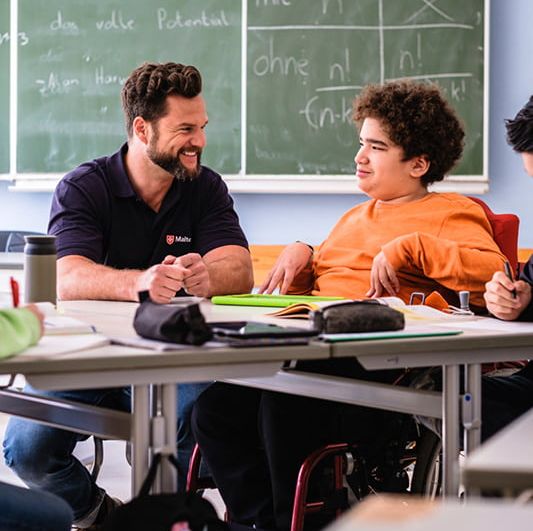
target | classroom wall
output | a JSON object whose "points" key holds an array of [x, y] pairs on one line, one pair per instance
{"points": [[282, 218]]}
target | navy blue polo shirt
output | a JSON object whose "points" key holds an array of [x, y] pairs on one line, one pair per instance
{"points": [[96, 213]]}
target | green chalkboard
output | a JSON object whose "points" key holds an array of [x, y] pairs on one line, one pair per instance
{"points": [[307, 60], [303, 63], [4, 86], [80, 52]]}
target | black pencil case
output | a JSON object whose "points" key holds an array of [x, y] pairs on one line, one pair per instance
{"points": [[177, 324], [357, 316]]}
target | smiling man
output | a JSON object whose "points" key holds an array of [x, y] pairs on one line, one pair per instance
{"points": [[148, 217]]}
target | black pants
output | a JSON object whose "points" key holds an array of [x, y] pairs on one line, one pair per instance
{"points": [[505, 398], [254, 441]]}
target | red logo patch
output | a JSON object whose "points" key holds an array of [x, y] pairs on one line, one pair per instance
{"points": [[170, 239]]}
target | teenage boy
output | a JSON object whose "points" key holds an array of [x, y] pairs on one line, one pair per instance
{"points": [[404, 239]]}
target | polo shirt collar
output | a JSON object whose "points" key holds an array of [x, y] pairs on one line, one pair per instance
{"points": [[120, 182]]}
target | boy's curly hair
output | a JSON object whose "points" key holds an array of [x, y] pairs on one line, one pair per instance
{"points": [[145, 91], [417, 118]]}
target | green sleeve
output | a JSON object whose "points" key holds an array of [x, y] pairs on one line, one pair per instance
{"points": [[19, 328]]}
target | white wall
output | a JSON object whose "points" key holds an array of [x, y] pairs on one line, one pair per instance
{"points": [[284, 218]]}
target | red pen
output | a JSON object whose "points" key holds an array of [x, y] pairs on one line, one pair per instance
{"points": [[14, 291]]}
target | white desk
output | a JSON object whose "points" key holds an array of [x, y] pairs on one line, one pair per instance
{"points": [[496, 341], [505, 462], [113, 366], [401, 513]]}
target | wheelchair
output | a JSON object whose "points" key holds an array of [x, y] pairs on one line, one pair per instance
{"points": [[339, 475]]}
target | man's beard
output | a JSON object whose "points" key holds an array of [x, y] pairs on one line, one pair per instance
{"points": [[172, 164]]}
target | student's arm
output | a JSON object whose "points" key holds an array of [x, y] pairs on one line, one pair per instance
{"points": [[462, 257], [19, 329], [293, 271]]}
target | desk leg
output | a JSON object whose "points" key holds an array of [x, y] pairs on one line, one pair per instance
{"points": [[169, 412], [472, 422], [140, 434], [472, 414], [450, 430]]}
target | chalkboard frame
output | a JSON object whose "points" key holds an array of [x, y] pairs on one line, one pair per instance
{"points": [[253, 183]]}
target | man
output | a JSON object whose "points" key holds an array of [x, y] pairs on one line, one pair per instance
{"points": [[505, 398], [148, 217], [403, 239], [27, 509]]}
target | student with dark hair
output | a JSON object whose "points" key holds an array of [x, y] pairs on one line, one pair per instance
{"points": [[505, 398], [404, 239], [26, 509], [150, 218]]}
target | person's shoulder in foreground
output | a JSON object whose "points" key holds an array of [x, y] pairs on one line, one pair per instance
{"points": [[505, 298], [19, 329], [405, 238]]}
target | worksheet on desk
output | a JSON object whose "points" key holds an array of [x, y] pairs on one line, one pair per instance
{"points": [[53, 346]]}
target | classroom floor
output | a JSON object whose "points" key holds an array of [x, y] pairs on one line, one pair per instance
{"points": [[114, 475]]}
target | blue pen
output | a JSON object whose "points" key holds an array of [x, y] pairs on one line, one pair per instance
{"points": [[509, 274]]}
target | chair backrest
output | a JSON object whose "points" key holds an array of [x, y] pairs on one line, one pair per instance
{"points": [[505, 232]]}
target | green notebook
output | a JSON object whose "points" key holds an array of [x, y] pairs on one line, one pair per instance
{"points": [[275, 301]]}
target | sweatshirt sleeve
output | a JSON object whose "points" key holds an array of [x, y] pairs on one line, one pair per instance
{"points": [[19, 329], [462, 256]]}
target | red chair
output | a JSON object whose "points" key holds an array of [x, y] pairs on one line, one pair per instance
{"points": [[505, 232]]}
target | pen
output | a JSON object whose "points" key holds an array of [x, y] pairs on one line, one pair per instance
{"points": [[14, 291], [509, 274]]}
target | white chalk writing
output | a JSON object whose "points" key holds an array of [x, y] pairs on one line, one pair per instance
{"points": [[270, 63], [23, 38], [66, 26], [54, 84], [275, 3], [115, 22], [204, 20], [102, 78]]}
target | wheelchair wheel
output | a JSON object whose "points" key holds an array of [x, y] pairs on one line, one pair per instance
{"points": [[427, 473]]}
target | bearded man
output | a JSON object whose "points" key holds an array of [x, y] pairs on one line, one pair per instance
{"points": [[147, 218]]}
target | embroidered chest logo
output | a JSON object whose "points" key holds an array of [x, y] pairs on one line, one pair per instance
{"points": [[172, 238]]}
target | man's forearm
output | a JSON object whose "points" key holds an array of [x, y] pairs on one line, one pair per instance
{"points": [[80, 278], [231, 274]]}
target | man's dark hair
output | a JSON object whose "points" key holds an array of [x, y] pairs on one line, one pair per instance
{"points": [[416, 117], [520, 129], [146, 89]]}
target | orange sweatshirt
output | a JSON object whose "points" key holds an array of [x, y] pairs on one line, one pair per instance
{"points": [[441, 242]]}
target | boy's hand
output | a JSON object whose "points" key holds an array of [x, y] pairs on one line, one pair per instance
{"points": [[289, 263], [382, 277]]}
